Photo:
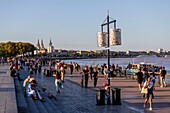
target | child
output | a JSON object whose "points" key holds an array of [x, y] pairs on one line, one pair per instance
{"points": [[106, 87]]}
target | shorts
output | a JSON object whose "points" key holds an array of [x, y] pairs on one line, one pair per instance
{"points": [[140, 81], [149, 96]]}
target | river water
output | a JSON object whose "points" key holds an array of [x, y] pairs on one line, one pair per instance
{"points": [[123, 62]]}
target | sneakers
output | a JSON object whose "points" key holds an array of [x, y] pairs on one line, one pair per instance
{"points": [[144, 106], [150, 109]]}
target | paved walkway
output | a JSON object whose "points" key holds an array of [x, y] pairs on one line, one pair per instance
{"points": [[74, 99], [7, 91], [131, 97]]}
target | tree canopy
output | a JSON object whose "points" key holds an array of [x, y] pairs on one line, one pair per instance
{"points": [[10, 49]]}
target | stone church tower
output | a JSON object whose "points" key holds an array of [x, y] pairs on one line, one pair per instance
{"points": [[51, 47]]}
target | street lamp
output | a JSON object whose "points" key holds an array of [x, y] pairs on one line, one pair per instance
{"points": [[104, 40]]}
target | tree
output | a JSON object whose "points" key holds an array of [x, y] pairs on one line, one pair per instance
{"points": [[11, 49]]}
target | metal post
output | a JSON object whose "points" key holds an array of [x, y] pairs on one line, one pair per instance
{"points": [[108, 51], [108, 58]]}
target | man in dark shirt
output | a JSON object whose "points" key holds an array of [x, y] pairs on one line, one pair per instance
{"points": [[71, 68], [86, 75], [91, 71], [162, 77], [139, 75]]}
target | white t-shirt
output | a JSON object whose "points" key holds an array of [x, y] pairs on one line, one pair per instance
{"points": [[150, 84]]}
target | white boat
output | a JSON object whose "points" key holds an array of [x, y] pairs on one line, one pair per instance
{"points": [[147, 56], [149, 66]]}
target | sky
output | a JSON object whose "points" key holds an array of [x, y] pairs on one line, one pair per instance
{"points": [[73, 24]]}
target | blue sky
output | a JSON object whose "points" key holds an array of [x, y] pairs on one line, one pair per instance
{"points": [[73, 24]]}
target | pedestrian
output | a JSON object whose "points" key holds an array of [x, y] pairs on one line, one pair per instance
{"points": [[95, 75], [71, 69], [86, 75], [146, 76], [153, 77], [58, 82], [139, 75], [62, 70], [149, 95], [105, 72], [162, 77], [91, 71], [107, 91], [14, 73]]}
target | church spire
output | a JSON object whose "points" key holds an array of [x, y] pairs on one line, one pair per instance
{"points": [[42, 44], [38, 44], [50, 44]]}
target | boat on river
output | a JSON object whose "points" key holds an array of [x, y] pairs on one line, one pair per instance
{"points": [[147, 56], [151, 67]]}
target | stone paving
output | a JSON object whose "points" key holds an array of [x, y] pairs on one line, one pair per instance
{"points": [[74, 99], [7, 91], [131, 96]]}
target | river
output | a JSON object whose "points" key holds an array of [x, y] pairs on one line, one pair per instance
{"points": [[123, 62]]}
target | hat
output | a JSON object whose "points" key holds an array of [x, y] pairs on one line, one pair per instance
{"points": [[104, 84]]}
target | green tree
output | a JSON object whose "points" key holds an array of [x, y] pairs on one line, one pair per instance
{"points": [[11, 49]]}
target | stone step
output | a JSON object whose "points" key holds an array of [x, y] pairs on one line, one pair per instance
{"points": [[50, 102], [40, 106], [30, 102], [32, 106], [21, 102], [43, 107]]}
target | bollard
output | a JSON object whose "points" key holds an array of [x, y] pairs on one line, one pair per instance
{"points": [[116, 96], [100, 97], [48, 73], [113, 97]]}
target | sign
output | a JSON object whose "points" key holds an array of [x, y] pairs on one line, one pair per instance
{"points": [[115, 37], [101, 39]]}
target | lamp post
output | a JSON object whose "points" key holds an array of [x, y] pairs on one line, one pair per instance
{"points": [[108, 49]]}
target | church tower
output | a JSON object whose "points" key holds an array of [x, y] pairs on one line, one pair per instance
{"points": [[42, 45], [38, 45], [51, 47]]}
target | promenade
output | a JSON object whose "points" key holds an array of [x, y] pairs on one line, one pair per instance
{"points": [[74, 99], [8, 102], [131, 96]]}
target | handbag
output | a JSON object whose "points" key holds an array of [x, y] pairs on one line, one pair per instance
{"points": [[144, 90]]}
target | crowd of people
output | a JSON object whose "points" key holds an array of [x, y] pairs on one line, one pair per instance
{"points": [[57, 69]]}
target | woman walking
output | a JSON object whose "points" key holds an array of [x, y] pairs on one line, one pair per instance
{"points": [[95, 75], [149, 95], [58, 82]]}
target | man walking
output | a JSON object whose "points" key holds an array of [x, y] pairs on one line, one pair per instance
{"points": [[139, 75], [162, 77]]}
